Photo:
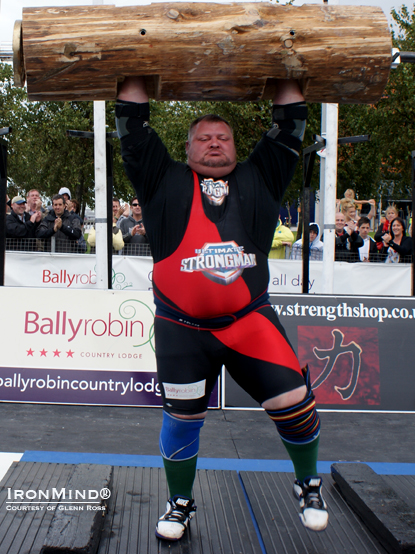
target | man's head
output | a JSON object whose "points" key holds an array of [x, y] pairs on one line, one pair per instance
{"points": [[210, 146], [58, 204], [115, 205], [33, 198], [18, 205], [65, 192], [339, 222], [363, 226], [313, 231], [136, 209]]}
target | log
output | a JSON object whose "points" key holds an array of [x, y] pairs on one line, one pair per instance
{"points": [[201, 51]]}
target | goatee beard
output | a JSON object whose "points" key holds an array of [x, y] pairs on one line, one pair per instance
{"points": [[215, 163]]}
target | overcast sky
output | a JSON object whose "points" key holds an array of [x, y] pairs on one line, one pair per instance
{"points": [[11, 10]]}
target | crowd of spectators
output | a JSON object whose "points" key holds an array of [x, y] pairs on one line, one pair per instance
{"points": [[353, 224], [60, 228]]}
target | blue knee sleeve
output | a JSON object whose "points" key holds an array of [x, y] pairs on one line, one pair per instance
{"points": [[179, 438]]}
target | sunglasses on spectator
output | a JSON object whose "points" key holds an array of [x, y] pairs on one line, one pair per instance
{"points": [[135, 204]]}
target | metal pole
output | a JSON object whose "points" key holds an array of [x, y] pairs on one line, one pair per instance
{"points": [[330, 133], [3, 189], [412, 223], [110, 188], [322, 155], [308, 163], [100, 194]]}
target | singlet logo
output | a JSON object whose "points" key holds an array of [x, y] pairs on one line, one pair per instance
{"points": [[221, 262], [215, 191]]}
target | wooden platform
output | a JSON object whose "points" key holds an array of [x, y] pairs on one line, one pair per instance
{"points": [[238, 513]]}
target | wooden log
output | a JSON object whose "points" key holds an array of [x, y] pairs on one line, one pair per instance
{"points": [[201, 51]]}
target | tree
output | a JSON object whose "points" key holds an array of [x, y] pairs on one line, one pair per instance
{"points": [[41, 156], [382, 167]]}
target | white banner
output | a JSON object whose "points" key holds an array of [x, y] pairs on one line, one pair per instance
{"points": [[75, 271], [135, 273], [78, 346], [349, 278]]}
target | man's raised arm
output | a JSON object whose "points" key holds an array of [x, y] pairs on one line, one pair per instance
{"points": [[288, 92], [133, 89]]}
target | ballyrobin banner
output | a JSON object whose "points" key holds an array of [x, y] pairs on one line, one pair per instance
{"points": [[77, 271], [79, 347]]}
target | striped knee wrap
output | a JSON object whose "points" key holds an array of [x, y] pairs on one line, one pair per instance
{"points": [[299, 424]]}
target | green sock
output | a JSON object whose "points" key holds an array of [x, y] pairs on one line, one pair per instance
{"points": [[180, 476], [304, 457]]}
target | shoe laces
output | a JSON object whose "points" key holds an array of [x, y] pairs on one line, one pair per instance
{"points": [[176, 515], [313, 499]]}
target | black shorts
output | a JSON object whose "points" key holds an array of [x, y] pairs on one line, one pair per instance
{"points": [[254, 349]]}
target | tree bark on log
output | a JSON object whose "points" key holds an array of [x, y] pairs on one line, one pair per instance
{"points": [[200, 51]]}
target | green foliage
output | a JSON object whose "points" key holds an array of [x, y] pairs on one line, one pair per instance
{"points": [[382, 167]]}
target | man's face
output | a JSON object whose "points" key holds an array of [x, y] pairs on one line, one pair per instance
{"points": [[364, 230], [211, 150], [33, 197], [58, 207], [313, 236], [19, 208], [136, 209], [115, 206], [339, 222]]}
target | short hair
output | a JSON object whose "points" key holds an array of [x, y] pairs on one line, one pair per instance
{"points": [[32, 190], [210, 118], [363, 220], [116, 200], [58, 197]]}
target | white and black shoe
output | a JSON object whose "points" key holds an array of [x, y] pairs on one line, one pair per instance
{"points": [[172, 525], [313, 510]]}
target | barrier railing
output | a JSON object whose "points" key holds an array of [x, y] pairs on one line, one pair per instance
{"points": [[296, 253], [53, 245]]}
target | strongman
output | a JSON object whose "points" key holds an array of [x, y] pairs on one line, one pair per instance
{"points": [[210, 225]]}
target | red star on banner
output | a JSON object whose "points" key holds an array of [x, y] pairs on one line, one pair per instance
{"points": [[56, 353], [70, 354], [30, 352], [43, 353]]}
